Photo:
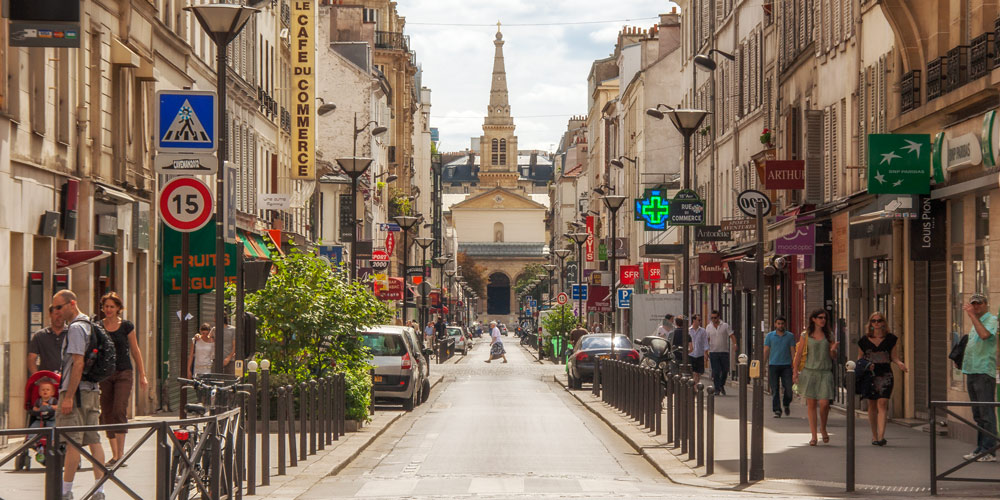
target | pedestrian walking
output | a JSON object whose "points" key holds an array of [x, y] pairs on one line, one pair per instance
{"points": [[79, 399], [496, 345], [116, 389], [698, 346], [879, 347], [202, 352], [228, 341], [720, 340], [664, 329], [45, 346], [576, 333], [980, 367], [779, 349], [813, 364], [429, 333]]}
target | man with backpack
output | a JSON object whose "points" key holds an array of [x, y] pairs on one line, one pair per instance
{"points": [[79, 398]]}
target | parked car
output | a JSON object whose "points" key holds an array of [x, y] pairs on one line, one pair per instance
{"points": [[399, 377], [597, 346], [424, 353], [462, 340]]}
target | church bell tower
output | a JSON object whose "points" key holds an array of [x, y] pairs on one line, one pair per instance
{"points": [[498, 144]]}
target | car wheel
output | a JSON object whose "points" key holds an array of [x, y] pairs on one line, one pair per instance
{"points": [[426, 392], [411, 402], [572, 381]]}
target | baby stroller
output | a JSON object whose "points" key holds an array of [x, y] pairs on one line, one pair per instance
{"points": [[23, 462]]}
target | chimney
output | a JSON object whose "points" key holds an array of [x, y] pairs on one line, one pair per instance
{"points": [[670, 32]]}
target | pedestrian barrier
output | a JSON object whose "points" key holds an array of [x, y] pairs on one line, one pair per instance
{"points": [[213, 456], [633, 390], [944, 407]]}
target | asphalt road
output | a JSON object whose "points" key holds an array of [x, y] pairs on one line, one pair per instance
{"points": [[501, 431]]}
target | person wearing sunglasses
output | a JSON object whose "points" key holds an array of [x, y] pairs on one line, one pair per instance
{"points": [[879, 347], [813, 364], [980, 367]]}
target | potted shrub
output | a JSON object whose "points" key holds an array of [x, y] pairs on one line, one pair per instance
{"points": [[765, 137]]}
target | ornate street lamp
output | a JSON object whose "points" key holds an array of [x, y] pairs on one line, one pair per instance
{"points": [[425, 243], [579, 239], [613, 202], [406, 222], [562, 253]]}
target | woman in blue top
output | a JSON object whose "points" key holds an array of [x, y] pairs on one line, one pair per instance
{"points": [[813, 364]]}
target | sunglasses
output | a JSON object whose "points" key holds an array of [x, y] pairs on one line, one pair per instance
{"points": [[59, 307], [877, 320], [820, 317], [977, 303]]}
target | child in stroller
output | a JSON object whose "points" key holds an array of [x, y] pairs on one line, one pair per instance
{"points": [[41, 402]]}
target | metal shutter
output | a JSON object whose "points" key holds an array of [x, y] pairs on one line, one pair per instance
{"points": [[814, 155], [814, 292]]}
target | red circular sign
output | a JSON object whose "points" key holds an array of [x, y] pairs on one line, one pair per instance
{"points": [[380, 255], [562, 298], [186, 204]]}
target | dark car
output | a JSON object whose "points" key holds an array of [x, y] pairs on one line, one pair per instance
{"points": [[597, 346]]}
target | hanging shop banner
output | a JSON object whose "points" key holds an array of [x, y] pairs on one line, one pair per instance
{"points": [[710, 269], [390, 243], [303, 89], [589, 246], [651, 271], [599, 298], [840, 240], [801, 242], [785, 174], [392, 292], [899, 163], [628, 274], [602, 251], [201, 272], [928, 233], [712, 233]]}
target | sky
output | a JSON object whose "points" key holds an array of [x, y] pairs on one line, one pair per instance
{"points": [[547, 65]]}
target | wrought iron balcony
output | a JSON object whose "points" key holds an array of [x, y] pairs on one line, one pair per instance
{"points": [[936, 83], [392, 40], [982, 53], [909, 91], [958, 67]]}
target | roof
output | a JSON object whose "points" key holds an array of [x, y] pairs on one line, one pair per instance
{"points": [[512, 249], [537, 168]]}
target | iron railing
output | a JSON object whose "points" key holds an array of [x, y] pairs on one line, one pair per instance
{"points": [[936, 82], [982, 55], [943, 406], [392, 40], [909, 91], [958, 67]]}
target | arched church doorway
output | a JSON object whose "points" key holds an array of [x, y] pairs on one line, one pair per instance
{"points": [[498, 294]]}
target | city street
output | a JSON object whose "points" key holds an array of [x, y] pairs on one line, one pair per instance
{"points": [[500, 431]]}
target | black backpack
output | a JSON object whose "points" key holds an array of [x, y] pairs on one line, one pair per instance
{"points": [[99, 361]]}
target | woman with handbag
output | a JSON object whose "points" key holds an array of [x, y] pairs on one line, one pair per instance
{"points": [[813, 364], [880, 349]]}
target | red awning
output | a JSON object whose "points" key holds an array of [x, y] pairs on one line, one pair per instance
{"points": [[75, 258]]}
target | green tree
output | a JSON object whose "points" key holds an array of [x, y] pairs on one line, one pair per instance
{"points": [[528, 273], [559, 322], [472, 273]]}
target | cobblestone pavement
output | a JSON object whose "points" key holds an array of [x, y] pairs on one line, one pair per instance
{"points": [[500, 431]]}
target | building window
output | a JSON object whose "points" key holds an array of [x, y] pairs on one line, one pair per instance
{"points": [[503, 159], [494, 143], [494, 159], [503, 145], [498, 232]]}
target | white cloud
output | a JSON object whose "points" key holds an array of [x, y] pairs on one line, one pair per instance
{"points": [[547, 66]]}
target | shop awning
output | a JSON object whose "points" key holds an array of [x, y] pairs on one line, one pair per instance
{"points": [[248, 249], [74, 258]]}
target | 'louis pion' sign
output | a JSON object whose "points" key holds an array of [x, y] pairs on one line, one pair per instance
{"points": [[928, 237]]}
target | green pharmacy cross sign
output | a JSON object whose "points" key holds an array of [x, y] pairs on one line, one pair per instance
{"points": [[899, 163], [653, 209]]}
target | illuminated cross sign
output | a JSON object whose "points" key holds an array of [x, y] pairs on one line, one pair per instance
{"points": [[653, 209]]}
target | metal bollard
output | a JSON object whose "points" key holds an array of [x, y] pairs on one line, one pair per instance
{"points": [[251, 466], [743, 370], [710, 434], [313, 406], [700, 435], [303, 420], [328, 404], [670, 405], [850, 425], [293, 456], [659, 402], [596, 389], [341, 402], [677, 411], [265, 417], [682, 436], [371, 401], [282, 410], [691, 428]]}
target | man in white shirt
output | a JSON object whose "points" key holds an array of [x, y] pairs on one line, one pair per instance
{"points": [[662, 331], [720, 340]]}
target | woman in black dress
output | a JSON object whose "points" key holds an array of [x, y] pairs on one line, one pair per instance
{"points": [[879, 347]]}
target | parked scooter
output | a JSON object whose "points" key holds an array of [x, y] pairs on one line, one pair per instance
{"points": [[655, 352]]}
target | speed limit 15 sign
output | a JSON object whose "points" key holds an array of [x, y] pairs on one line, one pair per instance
{"points": [[186, 204]]}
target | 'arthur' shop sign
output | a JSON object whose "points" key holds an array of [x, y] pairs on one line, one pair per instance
{"points": [[928, 237], [785, 174]]}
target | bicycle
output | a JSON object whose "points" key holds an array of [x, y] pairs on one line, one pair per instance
{"points": [[217, 393]]}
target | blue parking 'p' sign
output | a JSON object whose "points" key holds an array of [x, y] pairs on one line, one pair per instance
{"points": [[186, 121]]}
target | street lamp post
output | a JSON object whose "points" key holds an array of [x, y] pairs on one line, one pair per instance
{"points": [[686, 121], [550, 268], [222, 22], [441, 261], [405, 223], [562, 253], [613, 202], [579, 239], [424, 243], [451, 277]]}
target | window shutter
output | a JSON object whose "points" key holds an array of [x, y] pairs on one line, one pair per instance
{"points": [[720, 11], [814, 156], [801, 38], [838, 17], [252, 185], [834, 170], [822, 32], [882, 95], [768, 107], [827, 192], [848, 19]]}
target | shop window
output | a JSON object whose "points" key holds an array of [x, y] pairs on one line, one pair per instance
{"points": [[957, 315], [880, 286], [982, 244]]}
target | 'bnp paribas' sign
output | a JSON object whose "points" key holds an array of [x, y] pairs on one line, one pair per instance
{"points": [[955, 153], [991, 139]]}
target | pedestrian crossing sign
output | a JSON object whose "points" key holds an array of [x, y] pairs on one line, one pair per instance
{"points": [[186, 121]]}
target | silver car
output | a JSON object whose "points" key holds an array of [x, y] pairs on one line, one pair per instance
{"points": [[398, 374], [457, 334], [423, 355]]}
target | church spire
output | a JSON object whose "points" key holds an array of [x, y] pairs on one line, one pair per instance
{"points": [[499, 108]]}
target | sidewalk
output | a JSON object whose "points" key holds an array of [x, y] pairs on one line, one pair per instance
{"points": [[138, 474], [792, 466]]}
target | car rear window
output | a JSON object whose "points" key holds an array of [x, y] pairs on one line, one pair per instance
{"points": [[454, 331], [384, 344], [604, 342]]}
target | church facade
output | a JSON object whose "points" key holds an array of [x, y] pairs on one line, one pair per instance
{"points": [[501, 223]]}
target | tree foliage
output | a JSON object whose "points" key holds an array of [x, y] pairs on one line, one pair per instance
{"points": [[473, 273], [559, 322], [528, 273]]}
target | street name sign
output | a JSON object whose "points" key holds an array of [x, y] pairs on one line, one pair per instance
{"points": [[185, 204], [686, 209]]}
